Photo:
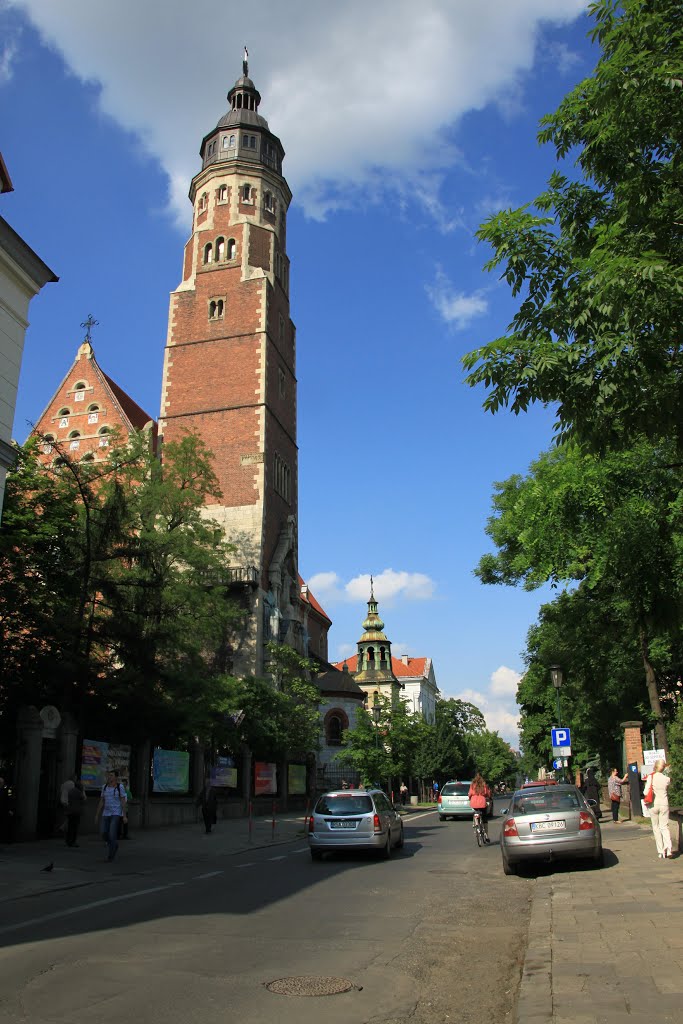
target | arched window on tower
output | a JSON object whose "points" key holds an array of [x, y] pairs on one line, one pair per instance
{"points": [[208, 253], [231, 252], [246, 193], [219, 308], [223, 192], [371, 657], [239, 101], [220, 250], [382, 657], [268, 203]]}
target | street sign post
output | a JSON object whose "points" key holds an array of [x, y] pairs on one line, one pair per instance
{"points": [[560, 737], [557, 763]]}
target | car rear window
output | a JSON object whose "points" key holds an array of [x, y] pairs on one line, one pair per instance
{"points": [[456, 789], [341, 804], [545, 802]]}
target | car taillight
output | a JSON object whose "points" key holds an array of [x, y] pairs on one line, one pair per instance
{"points": [[509, 828], [376, 823], [586, 821], [439, 800], [311, 826]]}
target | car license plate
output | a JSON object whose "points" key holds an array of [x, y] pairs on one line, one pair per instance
{"points": [[342, 824], [547, 826]]}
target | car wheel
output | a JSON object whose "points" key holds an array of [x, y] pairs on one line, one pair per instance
{"points": [[508, 868], [401, 839], [316, 855], [386, 851]]}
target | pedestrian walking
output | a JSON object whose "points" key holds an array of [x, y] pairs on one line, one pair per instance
{"points": [[129, 797], [614, 784], [403, 790], [113, 804], [207, 801], [591, 791], [75, 804], [659, 810]]}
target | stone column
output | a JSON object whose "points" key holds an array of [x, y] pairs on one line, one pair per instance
{"points": [[633, 743], [29, 754]]}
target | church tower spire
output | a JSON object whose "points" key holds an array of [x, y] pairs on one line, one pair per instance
{"points": [[229, 365], [374, 671]]}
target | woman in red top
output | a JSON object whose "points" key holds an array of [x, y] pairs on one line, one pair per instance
{"points": [[480, 795]]}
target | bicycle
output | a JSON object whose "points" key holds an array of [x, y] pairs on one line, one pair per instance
{"points": [[479, 830]]}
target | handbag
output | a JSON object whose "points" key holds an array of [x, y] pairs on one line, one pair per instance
{"points": [[615, 798], [649, 794]]}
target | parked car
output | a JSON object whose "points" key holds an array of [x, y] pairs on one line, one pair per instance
{"points": [[549, 823], [540, 782], [354, 819], [454, 801]]}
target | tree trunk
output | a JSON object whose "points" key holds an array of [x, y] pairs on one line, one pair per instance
{"points": [[653, 693]]}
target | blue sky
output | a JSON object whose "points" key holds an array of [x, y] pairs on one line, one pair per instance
{"points": [[404, 126]]}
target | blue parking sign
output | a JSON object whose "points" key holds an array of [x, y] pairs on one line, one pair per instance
{"points": [[560, 738]]}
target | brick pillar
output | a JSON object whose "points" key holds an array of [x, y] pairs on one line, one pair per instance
{"points": [[633, 743]]}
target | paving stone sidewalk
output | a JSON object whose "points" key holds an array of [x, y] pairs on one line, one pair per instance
{"points": [[606, 947], [148, 852]]}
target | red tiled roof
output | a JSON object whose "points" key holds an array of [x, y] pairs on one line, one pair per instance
{"points": [[415, 668], [309, 598], [137, 416]]}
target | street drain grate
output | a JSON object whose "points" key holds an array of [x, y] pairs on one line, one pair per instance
{"points": [[309, 986]]}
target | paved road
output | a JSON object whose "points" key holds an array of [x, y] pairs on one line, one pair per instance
{"points": [[435, 934]]}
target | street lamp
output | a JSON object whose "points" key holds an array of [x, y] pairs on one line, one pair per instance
{"points": [[557, 677]]}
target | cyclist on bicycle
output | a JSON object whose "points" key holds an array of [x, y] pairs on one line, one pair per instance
{"points": [[479, 796]]}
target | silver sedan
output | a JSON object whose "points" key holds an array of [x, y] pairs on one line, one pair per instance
{"points": [[549, 823], [354, 819]]}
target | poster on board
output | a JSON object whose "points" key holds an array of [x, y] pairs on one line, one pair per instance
{"points": [[99, 757], [224, 773], [265, 778], [296, 780], [171, 771]]}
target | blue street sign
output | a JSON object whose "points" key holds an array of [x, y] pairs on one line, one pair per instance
{"points": [[560, 738], [557, 763]]}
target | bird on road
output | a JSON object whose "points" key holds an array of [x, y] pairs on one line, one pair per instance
{"points": [[48, 867]]}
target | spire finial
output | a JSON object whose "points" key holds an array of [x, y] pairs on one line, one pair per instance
{"points": [[89, 324], [245, 63], [372, 589]]}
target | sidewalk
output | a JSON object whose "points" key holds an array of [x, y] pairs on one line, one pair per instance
{"points": [[147, 852], [606, 946]]}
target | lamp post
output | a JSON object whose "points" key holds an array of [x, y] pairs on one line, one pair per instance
{"points": [[557, 677]]}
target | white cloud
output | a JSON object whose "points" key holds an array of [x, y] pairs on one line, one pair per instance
{"points": [[7, 54], [389, 585], [361, 94], [504, 682], [561, 57], [453, 306], [497, 703], [345, 651]]}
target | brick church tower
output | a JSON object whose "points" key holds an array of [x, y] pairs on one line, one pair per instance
{"points": [[229, 365]]}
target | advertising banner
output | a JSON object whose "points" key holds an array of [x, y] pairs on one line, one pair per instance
{"points": [[296, 782], [93, 763], [99, 757], [171, 771], [224, 773], [265, 778]]}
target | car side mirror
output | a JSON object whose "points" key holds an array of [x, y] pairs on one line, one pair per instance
{"points": [[592, 803]]}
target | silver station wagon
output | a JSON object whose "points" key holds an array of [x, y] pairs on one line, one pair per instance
{"points": [[549, 823], [354, 819]]}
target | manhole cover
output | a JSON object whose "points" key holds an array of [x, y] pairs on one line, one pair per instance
{"points": [[308, 986]]}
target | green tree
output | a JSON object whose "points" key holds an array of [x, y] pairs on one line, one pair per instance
{"points": [[388, 748], [608, 521], [492, 756], [598, 265]]}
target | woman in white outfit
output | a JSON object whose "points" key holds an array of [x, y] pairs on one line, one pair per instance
{"points": [[659, 810]]}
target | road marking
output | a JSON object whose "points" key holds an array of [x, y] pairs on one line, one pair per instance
{"points": [[209, 874], [277, 858], [304, 849], [414, 816], [249, 864], [86, 906]]}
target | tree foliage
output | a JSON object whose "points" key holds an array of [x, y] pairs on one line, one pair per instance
{"points": [[597, 259]]}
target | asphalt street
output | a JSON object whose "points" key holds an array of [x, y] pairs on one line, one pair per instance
{"points": [[437, 933]]}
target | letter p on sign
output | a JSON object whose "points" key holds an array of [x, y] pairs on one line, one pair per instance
{"points": [[561, 738]]}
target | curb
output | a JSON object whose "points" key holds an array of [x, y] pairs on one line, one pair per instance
{"points": [[535, 1001]]}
